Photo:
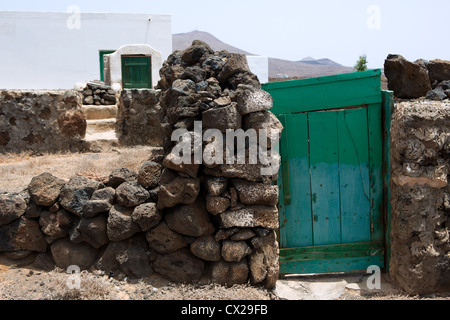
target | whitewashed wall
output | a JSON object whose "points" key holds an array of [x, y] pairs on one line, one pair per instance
{"points": [[47, 50]]}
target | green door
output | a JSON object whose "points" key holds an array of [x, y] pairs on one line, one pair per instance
{"points": [[331, 180], [136, 72]]}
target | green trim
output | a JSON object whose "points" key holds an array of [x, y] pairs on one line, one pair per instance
{"points": [[332, 265], [321, 80], [324, 93], [102, 65], [354, 250]]}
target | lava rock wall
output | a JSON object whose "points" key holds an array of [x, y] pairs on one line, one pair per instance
{"points": [[41, 121], [229, 209], [420, 220], [212, 220]]}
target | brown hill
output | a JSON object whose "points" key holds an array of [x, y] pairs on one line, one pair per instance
{"points": [[278, 68], [292, 69]]}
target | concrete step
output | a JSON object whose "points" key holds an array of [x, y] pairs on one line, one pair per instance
{"points": [[93, 112], [102, 136], [103, 125]]}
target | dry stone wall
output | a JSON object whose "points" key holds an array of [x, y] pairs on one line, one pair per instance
{"points": [[83, 222], [51, 121], [41, 121], [420, 223], [139, 118], [202, 221]]}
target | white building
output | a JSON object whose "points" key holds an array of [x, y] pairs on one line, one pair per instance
{"points": [[48, 50], [51, 50], [259, 65]]}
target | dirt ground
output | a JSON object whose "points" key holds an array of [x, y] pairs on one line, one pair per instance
{"points": [[31, 284], [22, 283], [16, 172]]}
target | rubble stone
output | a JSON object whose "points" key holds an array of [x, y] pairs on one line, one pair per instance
{"points": [[76, 193], [45, 189], [407, 79], [12, 207]]}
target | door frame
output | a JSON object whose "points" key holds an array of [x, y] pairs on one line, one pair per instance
{"points": [[102, 63], [328, 93]]}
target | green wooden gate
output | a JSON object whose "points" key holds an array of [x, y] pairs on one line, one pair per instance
{"points": [[136, 72], [333, 190]]}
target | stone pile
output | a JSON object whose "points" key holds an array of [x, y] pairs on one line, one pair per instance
{"points": [[421, 78], [227, 210], [98, 94]]}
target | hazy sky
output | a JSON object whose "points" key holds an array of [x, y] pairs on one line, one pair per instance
{"points": [[295, 29]]}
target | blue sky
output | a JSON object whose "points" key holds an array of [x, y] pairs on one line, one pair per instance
{"points": [[295, 29]]}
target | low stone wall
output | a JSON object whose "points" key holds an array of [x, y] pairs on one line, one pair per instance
{"points": [[420, 215], [41, 121], [86, 223], [51, 121], [139, 118], [189, 222], [118, 227]]}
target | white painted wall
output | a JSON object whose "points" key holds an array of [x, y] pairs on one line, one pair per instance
{"points": [[38, 50], [259, 65]]}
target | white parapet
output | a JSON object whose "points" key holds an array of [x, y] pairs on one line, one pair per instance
{"points": [[259, 65]]}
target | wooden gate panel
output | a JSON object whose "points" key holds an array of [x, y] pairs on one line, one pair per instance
{"points": [[296, 219], [377, 206], [324, 167], [354, 175]]}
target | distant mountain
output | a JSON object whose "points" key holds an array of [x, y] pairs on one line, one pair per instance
{"points": [[278, 68], [322, 62]]}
